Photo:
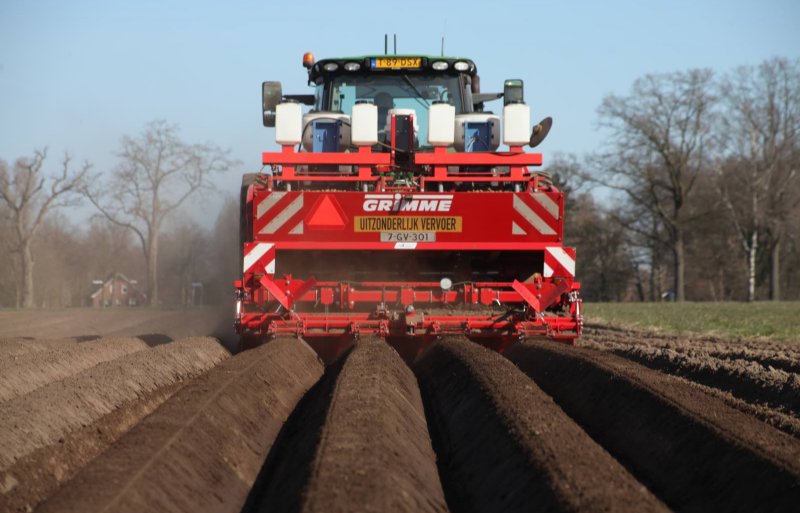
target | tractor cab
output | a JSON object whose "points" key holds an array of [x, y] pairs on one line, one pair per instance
{"points": [[404, 90], [395, 85]]}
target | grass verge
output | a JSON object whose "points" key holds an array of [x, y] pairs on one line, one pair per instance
{"points": [[771, 320]]}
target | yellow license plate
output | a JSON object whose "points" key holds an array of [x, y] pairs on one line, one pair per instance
{"points": [[397, 63]]}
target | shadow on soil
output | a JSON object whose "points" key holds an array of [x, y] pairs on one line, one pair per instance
{"points": [[86, 338], [281, 481], [154, 339]]}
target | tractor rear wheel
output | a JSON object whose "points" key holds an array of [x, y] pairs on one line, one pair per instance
{"points": [[245, 228]]}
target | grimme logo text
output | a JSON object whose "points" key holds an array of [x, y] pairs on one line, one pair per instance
{"points": [[413, 203]]}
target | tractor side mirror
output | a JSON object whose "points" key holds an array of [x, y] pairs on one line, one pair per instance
{"points": [[513, 91], [271, 95], [540, 131]]}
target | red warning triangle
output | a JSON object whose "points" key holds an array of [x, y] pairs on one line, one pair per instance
{"points": [[326, 214]]}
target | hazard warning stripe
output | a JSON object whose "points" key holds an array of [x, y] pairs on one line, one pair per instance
{"points": [[544, 200], [279, 213], [534, 213], [259, 257], [268, 202], [559, 262], [279, 220], [532, 217]]}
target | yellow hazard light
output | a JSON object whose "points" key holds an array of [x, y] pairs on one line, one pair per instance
{"points": [[308, 59]]}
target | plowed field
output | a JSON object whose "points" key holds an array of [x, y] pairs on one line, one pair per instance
{"points": [[149, 411]]}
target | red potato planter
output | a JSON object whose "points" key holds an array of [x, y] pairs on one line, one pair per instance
{"points": [[398, 217]]}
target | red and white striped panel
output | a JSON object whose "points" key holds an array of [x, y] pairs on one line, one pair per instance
{"points": [[280, 212], [559, 262], [259, 258], [535, 213]]}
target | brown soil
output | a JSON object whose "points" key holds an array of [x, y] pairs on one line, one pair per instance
{"points": [[778, 354], [45, 415], [748, 380], [24, 373], [202, 449], [787, 423], [655, 337], [150, 324], [756, 375], [690, 448], [505, 446], [785, 360], [13, 348], [358, 443], [144, 423], [289, 465], [36, 476]]}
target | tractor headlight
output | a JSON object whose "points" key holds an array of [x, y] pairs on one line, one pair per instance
{"points": [[446, 283], [352, 66], [461, 66], [439, 65], [331, 66]]}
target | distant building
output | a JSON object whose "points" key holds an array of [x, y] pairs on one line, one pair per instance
{"points": [[117, 290]]}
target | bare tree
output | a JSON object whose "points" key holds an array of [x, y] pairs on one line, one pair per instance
{"points": [[758, 180], [647, 240], [119, 254], [568, 173], [604, 262], [30, 196], [659, 144], [224, 253], [158, 172], [605, 265], [10, 293], [186, 248]]}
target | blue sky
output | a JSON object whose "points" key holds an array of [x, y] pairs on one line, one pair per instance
{"points": [[77, 75]]}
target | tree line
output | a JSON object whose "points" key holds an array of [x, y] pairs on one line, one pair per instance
{"points": [[699, 176], [694, 195], [139, 228]]}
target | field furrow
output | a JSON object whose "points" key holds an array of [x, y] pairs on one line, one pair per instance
{"points": [[202, 449], [21, 375], [691, 449], [359, 438], [128, 411], [505, 446]]}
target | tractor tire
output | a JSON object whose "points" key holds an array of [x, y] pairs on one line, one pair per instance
{"points": [[245, 234]]}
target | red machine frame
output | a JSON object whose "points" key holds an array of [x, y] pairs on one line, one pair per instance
{"points": [[289, 210]]}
